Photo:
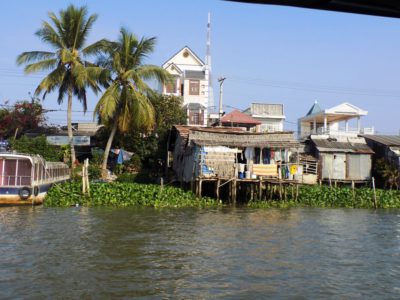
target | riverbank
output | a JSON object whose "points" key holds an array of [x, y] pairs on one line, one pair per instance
{"points": [[119, 194], [334, 197]]}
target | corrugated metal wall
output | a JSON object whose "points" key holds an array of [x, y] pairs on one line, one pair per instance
{"points": [[359, 166], [333, 166]]}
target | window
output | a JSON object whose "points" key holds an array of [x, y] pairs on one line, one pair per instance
{"points": [[194, 87], [170, 86]]}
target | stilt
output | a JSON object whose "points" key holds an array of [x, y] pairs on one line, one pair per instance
{"points": [[251, 191], [373, 187], [217, 188], [234, 191], [280, 190], [297, 192], [285, 192], [230, 191], [260, 190], [200, 186]]}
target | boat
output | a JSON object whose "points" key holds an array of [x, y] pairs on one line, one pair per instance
{"points": [[26, 178]]}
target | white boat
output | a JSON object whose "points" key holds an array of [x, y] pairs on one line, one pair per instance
{"points": [[25, 179]]}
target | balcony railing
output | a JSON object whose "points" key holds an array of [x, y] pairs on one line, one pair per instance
{"points": [[350, 132]]}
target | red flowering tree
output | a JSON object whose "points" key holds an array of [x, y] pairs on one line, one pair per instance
{"points": [[21, 116]]}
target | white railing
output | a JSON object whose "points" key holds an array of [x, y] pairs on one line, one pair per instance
{"points": [[342, 132]]}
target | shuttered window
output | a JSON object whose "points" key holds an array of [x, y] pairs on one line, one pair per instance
{"points": [[194, 87]]}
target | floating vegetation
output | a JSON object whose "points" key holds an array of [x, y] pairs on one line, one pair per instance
{"points": [[124, 194], [334, 197]]}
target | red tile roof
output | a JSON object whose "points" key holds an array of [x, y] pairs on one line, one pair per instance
{"points": [[238, 117]]}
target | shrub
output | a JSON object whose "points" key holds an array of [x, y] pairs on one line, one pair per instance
{"points": [[37, 145]]}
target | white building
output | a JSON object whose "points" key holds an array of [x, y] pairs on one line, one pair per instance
{"points": [[332, 137], [190, 80], [343, 120], [271, 116]]}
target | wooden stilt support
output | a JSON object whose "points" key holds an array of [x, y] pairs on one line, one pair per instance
{"points": [[285, 192], [234, 191], [200, 187], [373, 187], [260, 190], [217, 188]]}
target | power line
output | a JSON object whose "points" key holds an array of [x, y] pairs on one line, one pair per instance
{"points": [[315, 88]]}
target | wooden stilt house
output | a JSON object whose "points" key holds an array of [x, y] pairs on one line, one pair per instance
{"points": [[225, 152]]}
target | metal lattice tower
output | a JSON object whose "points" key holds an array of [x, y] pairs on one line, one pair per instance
{"points": [[208, 66]]}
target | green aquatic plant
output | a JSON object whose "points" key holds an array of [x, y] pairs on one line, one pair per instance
{"points": [[335, 197], [120, 194]]}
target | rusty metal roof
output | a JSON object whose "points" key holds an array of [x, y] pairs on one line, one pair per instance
{"points": [[387, 140], [332, 145]]}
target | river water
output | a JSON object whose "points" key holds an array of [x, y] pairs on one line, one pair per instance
{"points": [[103, 253]]}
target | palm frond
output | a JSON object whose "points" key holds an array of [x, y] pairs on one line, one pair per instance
{"points": [[48, 35], [106, 107], [153, 72], [34, 56], [43, 65]]}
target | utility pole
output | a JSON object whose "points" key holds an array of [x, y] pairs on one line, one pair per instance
{"points": [[221, 82]]}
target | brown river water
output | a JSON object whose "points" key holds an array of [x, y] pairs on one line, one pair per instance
{"points": [[231, 253]]}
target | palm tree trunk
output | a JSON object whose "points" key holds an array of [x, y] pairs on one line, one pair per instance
{"points": [[69, 125], [107, 150]]}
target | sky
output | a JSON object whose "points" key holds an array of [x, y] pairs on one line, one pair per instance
{"points": [[268, 54]]}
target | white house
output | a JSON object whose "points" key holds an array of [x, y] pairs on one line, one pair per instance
{"points": [[332, 137], [190, 80], [343, 120], [271, 116]]}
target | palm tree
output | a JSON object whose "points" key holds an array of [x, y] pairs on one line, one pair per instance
{"points": [[125, 103], [69, 73]]}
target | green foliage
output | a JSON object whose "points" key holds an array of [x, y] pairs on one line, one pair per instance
{"points": [[127, 177], [94, 171], [324, 196], [37, 145], [124, 194], [168, 111], [23, 116]]}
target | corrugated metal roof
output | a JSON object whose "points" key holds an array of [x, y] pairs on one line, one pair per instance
{"points": [[387, 140], [332, 145]]}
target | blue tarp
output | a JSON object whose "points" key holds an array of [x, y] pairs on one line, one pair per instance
{"points": [[122, 155]]}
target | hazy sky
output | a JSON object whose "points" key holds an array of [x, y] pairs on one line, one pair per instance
{"points": [[268, 53]]}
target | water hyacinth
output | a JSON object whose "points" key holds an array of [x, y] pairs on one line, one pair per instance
{"points": [[119, 194], [335, 197]]}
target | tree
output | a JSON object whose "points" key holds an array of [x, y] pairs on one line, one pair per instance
{"points": [[125, 104], [69, 73], [22, 116], [169, 112]]}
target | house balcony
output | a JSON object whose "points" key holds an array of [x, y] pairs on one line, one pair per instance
{"points": [[341, 132]]}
